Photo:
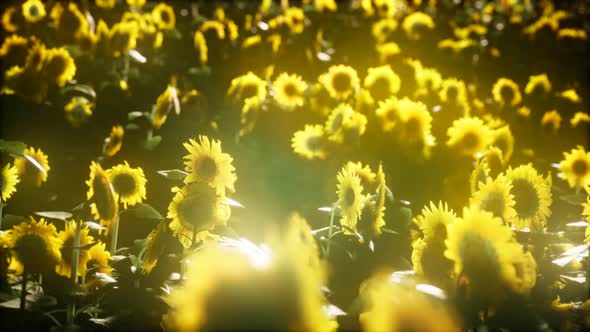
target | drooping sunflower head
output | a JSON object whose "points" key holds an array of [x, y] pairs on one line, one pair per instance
{"points": [[288, 90], [195, 209], [36, 57], [166, 101], [164, 17], [453, 91], [388, 113], [103, 198], [340, 81], [123, 37], [35, 245], [98, 260], [415, 24], [480, 174], [367, 176], [67, 237], [575, 167], [33, 10], [532, 196], [504, 140], [495, 160], [310, 143], [155, 245], [382, 82], [429, 80], [351, 199], [469, 135], [373, 214], [14, 51], [495, 197], [295, 19], [334, 126], [114, 142], [247, 86], [33, 166], [78, 110], [207, 163], [59, 66], [551, 121], [506, 92], [128, 183], [8, 181], [579, 117]]}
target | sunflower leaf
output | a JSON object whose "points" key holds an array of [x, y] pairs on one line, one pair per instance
{"points": [[134, 115], [86, 90], [173, 174], [144, 211], [13, 147], [59, 215], [152, 142]]}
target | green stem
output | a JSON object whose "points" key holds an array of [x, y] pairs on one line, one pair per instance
{"points": [[330, 229], [1, 206], [114, 236], [23, 292], [71, 313]]}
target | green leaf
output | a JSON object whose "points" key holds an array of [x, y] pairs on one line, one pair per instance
{"points": [[173, 174], [84, 89], [13, 147], [60, 215], [406, 214], [131, 126], [134, 115], [144, 211], [152, 142], [202, 71]]}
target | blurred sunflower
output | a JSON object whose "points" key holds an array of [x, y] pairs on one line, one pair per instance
{"points": [[334, 126], [98, 259], [289, 90], [299, 235], [128, 183], [59, 66], [434, 220], [166, 101], [571, 95], [123, 38], [429, 81], [33, 166], [103, 198], [12, 19], [415, 122], [36, 58], [350, 198], [495, 160], [195, 209], [538, 83], [35, 245], [373, 214], [164, 17], [207, 163], [106, 4], [415, 24], [506, 92], [114, 142], [33, 10], [325, 5], [389, 114], [383, 28], [310, 142], [469, 135], [551, 121], [453, 91], [64, 268], [136, 3], [249, 115], [78, 110], [504, 140], [154, 246], [340, 81], [480, 174], [247, 86], [70, 22], [575, 167], [365, 173], [579, 117], [14, 50], [532, 196], [382, 82], [8, 180], [387, 51], [495, 197], [295, 19]]}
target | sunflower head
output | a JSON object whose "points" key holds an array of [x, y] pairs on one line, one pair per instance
{"points": [[506, 92], [453, 91], [532, 196], [155, 245], [575, 167], [123, 37], [373, 214], [388, 113], [495, 197], [247, 86], [8, 181], [35, 245], [67, 237], [382, 82], [415, 24], [103, 199], [340, 81], [383, 28], [295, 19], [78, 110], [334, 126], [504, 140], [289, 90], [495, 160], [12, 19], [166, 101], [538, 84], [415, 122], [469, 135], [106, 4], [310, 143], [33, 166], [551, 121], [388, 51], [351, 199], [114, 142], [429, 80], [164, 17], [59, 66], [128, 183], [33, 10], [14, 51]]}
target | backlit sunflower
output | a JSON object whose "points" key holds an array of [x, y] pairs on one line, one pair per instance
{"points": [[310, 143], [207, 163], [340, 81], [33, 10], [35, 247], [469, 135], [539, 83], [103, 198], [350, 198], [78, 110], [453, 91], [504, 141], [365, 173], [383, 28], [575, 167], [67, 244], [579, 117], [434, 220], [295, 19], [59, 67], [198, 208], [123, 38], [480, 174], [495, 161], [532, 196], [495, 197], [154, 246], [98, 259], [8, 181], [249, 115], [388, 113], [33, 166], [551, 121], [164, 17], [166, 101], [382, 82], [12, 19], [571, 95], [114, 142], [415, 122], [14, 51], [288, 90], [334, 126], [373, 214], [416, 23], [506, 92], [128, 183], [387, 51], [247, 86], [429, 80]]}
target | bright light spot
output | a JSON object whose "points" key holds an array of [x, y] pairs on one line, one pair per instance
{"points": [[325, 209], [234, 203], [577, 224], [333, 311], [436, 109], [135, 55], [556, 165], [133, 269], [174, 276], [431, 290], [262, 25], [404, 202], [324, 56], [35, 163]]}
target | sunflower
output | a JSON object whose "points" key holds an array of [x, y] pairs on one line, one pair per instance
{"points": [[154, 246], [195, 209], [59, 67], [207, 163], [114, 142], [11, 20], [201, 46], [365, 173], [98, 259], [480, 174], [453, 91], [14, 51], [36, 57], [373, 213], [295, 19], [551, 121], [504, 140], [572, 33], [578, 118], [506, 92], [289, 90], [383, 28], [387, 51], [123, 38], [382, 82], [416, 23], [67, 245], [216, 26], [415, 122], [247, 86], [249, 115], [434, 220], [166, 101], [429, 80], [8, 180], [35, 245], [104, 200], [33, 10], [532, 196], [389, 114], [538, 83], [495, 197], [334, 126], [136, 3], [78, 110], [128, 183], [164, 17], [340, 81], [571, 95], [350, 198], [495, 160], [576, 167], [469, 135], [33, 167], [310, 143], [70, 22]]}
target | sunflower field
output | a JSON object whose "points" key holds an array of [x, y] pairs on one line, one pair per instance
{"points": [[310, 165]]}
